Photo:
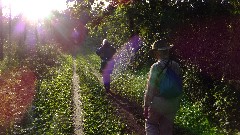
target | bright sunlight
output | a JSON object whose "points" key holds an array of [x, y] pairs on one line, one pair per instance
{"points": [[33, 9]]}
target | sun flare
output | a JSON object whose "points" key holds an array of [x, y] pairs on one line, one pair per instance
{"points": [[34, 9]]}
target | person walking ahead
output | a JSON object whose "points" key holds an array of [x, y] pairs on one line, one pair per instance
{"points": [[159, 109], [106, 52]]}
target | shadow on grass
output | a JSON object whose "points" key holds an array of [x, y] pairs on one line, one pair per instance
{"points": [[131, 113]]}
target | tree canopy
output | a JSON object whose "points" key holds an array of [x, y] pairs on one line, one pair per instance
{"points": [[186, 23]]}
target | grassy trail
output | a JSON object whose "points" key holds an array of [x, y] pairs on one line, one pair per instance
{"points": [[77, 116]]}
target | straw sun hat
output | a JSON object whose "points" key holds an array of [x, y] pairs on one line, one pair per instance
{"points": [[161, 45]]}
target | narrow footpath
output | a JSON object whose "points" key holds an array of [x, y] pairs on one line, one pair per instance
{"points": [[77, 116], [129, 112]]}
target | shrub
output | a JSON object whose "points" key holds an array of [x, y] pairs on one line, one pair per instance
{"points": [[218, 99]]}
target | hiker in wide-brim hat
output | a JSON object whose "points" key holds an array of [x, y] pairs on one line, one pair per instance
{"points": [[159, 111], [161, 45], [160, 49]]}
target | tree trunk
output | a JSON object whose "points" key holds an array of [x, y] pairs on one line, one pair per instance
{"points": [[10, 24], [1, 31]]}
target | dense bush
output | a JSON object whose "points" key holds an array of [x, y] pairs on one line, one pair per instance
{"points": [[218, 98], [209, 52]]}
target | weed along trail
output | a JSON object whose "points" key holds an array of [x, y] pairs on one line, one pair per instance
{"points": [[77, 116]]}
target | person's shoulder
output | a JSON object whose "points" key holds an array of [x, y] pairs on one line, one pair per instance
{"points": [[162, 63], [156, 65], [99, 48], [111, 46], [174, 63], [176, 67]]}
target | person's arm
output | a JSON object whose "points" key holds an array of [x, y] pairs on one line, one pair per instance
{"points": [[150, 91], [111, 52], [100, 52]]}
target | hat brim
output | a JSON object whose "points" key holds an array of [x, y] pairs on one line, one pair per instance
{"points": [[164, 48]]}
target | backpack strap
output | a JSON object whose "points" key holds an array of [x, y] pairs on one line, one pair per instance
{"points": [[165, 67], [159, 74]]}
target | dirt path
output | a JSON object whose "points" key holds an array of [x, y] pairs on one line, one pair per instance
{"points": [[129, 112], [77, 117]]}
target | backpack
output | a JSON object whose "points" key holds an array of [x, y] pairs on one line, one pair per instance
{"points": [[170, 83]]}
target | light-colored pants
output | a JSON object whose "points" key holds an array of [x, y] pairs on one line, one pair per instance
{"points": [[161, 116]]}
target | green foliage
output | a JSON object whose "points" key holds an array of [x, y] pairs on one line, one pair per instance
{"points": [[218, 99], [130, 86], [42, 58], [38, 59], [52, 109], [151, 20], [226, 107], [98, 113], [106, 28], [10, 59], [191, 119]]}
